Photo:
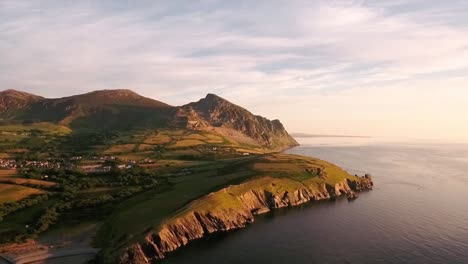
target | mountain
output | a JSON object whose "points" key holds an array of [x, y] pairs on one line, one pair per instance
{"points": [[11, 102], [125, 109], [104, 110], [216, 113]]}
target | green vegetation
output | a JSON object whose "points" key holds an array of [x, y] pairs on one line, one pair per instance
{"points": [[169, 169], [72, 191], [129, 163], [13, 193], [133, 217], [43, 127], [276, 173]]}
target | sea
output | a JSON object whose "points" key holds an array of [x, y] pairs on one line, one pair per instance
{"points": [[416, 214]]}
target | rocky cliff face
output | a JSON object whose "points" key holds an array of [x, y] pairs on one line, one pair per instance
{"points": [[197, 224], [214, 111]]}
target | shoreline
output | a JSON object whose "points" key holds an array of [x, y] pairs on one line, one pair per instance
{"points": [[194, 225]]}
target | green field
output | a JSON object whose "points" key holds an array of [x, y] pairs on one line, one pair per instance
{"points": [[7, 173], [13, 193], [43, 127]]}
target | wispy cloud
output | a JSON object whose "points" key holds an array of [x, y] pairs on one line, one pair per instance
{"points": [[254, 52]]}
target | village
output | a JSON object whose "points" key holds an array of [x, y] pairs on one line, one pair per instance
{"points": [[92, 164]]}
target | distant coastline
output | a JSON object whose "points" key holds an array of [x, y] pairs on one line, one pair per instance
{"points": [[305, 135]]}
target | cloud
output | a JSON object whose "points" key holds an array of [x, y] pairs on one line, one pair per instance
{"points": [[255, 53]]}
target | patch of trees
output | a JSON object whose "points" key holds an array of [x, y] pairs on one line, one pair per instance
{"points": [[8, 208], [83, 141]]}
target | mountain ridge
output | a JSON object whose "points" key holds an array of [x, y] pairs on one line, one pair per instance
{"points": [[125, 109]]}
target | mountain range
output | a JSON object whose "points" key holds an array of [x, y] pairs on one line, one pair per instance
{"points": [[127, 110]]}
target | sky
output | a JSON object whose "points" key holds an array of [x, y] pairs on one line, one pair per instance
{"points": [[390, 69]]}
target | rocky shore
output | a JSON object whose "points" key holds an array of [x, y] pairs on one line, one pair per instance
{"points": [[195, 224]]}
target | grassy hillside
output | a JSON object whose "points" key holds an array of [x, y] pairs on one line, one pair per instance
{"points": [[124, 111], [131, 163], [274, 172], [41, 127]]}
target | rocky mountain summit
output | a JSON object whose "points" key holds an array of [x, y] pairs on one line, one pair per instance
{"points": [[216, 112]]}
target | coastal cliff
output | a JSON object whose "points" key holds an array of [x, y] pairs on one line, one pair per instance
{"points": [[232, 208]]}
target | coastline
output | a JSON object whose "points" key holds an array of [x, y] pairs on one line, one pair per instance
{"points": [[196, 224]]}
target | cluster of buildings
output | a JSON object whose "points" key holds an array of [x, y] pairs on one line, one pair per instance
{"points": [[101, 158], [7, 164], [14, 164], [101, 167], [97, 164], [41, 164]]}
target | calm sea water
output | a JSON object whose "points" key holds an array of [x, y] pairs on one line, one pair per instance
{"points": [[418, 212]]}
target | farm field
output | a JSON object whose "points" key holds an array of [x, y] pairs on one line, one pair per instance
{"points": [[7, 173], [14, 193]]}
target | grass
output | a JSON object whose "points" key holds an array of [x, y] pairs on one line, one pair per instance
{"points": [[224, 180], [181, 152], [19, 219], [123, 148], [17, 151], [44, 127], [22, 181], [135, 156], [276, 174], [227, 198], [187, 143], [145, 147], [195, 137], [7, 173], [158, 139], [294, 167], [132, 218], [14, 193], [4, 156]]}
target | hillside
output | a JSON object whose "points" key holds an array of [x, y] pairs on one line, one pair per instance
{"points": [[226, 118], [107, 109], [13, 102], [142, 178], [123, 110], [252, 186]]}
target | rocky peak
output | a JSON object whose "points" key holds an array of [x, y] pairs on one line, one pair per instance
{"points": [[219, 112], [213, 97], [212, 102]]}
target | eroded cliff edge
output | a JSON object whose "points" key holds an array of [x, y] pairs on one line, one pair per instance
{"points": [[234, 207]]}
